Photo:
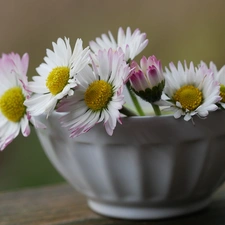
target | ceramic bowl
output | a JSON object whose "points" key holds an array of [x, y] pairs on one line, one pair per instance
{"points": [[151, 168]]}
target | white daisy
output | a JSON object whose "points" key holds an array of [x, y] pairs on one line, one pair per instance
{"points": [[220, 77], [131, 43], [99, 95], [192, 91], [13, 91], [57, 76]]}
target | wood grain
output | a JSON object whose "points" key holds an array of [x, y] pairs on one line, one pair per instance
{"points": [[62, 205]]}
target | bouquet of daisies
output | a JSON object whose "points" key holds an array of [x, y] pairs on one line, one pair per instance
{"points": [[86, 85]]}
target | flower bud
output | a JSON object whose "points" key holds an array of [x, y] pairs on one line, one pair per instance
{"points": [[147, 80]]}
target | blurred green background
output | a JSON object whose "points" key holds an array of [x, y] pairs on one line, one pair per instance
{"points": [[177, 30]]}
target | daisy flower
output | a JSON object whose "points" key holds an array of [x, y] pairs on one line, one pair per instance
{"points": [[13, 91], [192, 91], [220, 77], [99, 95], [57, 76], [131, 43]]}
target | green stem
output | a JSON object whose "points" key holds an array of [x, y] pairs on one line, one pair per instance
{"points": [[156, 109], [135, 101], [127, 112]]}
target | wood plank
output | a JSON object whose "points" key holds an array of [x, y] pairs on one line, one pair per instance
{"points": [[62, 205], [48, 205]]}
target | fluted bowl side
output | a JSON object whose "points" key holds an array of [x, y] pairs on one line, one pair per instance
{"points": [[149, 161]]}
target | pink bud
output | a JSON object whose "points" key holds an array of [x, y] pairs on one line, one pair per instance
{"points": [[138, 81], [147, 76]]}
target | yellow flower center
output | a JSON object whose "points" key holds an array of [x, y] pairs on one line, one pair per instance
{"points": [[11, 104], [57, 79], [222, 92], [98, 95], [189, 97]]}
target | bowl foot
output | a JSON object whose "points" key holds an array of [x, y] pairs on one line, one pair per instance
{"points": [[133, 212]]}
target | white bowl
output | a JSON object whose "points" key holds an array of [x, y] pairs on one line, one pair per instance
{"points": [[151, 168]]}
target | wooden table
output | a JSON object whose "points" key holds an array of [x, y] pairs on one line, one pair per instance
{"points": [[62, 205]]}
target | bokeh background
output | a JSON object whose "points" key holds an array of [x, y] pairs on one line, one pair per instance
{"points": [[177, 30]]}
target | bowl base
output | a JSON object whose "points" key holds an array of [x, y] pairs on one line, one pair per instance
{"points": [[121, 211]]}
